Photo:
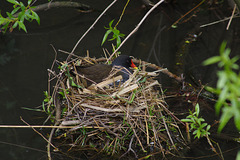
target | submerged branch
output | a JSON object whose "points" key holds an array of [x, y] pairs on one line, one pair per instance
{"points": [[60, 4]]}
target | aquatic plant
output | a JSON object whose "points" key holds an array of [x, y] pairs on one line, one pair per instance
{"points": [[228, 87], [200, 129]]}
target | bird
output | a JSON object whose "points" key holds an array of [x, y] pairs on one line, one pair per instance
{"points": [[97, 73]]}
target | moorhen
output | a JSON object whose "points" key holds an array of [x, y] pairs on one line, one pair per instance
{"points": [[98, 72]]}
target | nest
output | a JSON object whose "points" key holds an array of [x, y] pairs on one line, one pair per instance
{"points": [[114, 118]]}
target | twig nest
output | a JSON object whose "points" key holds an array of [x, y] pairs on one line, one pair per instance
{"points": [[117, 118]]}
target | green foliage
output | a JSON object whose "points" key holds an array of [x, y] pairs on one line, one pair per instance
{"points": [[18, 15], [70, 78], [48, 99], [116, 34], [196, 123], [62, 93], [48, 106], [238, 156], [228, 87]]}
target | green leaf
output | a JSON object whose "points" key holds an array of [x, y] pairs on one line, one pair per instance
{"points": [[197, 109], [174, 26], [200, 120], [36, 17], [186, 120], [28, 16], [105, 36], [22, 6], [107, 28], [3, 20], [235, 66], [195, 132], [5, 27], [221, 99], [72, 83], [222, 47], [122, 35], [238, 156], [208, 127], [118, 41], [64, 110], [203, 125], [13, 1], [32, 109], [21, 16], [190, 116], [43, 106], [22, 26], [199, 133], [193, 126], [9, 15], [211, 60], [222, 79], [15, 24], [116, 32], [29, 2], [110, 23], [235, 59], [226, 116], [114, 37], [45, 93], [15, 10], [226, 53], [237, 117]]}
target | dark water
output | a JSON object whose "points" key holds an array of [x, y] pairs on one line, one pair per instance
{"points": [[25, 57]]}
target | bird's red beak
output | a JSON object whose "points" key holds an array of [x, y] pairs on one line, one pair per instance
{"points": [[133, 65]]}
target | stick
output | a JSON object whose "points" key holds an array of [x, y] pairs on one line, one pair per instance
{"points": [[235, 6], [101, 109], [138, 25], [90, 29], [20, 126]]}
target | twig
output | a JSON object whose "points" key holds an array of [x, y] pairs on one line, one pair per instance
{"points": [[171, 114], [216, 22], [129, 149], [60, 4], [189, 12], [24, 147], [146, 123], [166, 127], [138, 25], [163, 70], [49, 142], [140, 143], [49, 74], [125, 90], [120, 18], [38, 133], [214, 150], [235, 6], [34, 126], [56, 4], [90, 28], [102, 109], [65, 52]]}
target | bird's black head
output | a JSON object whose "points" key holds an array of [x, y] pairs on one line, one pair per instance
{"points": [[124, 61]]}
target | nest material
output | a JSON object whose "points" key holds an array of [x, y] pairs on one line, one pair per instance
{"points": [[113, 117]]}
